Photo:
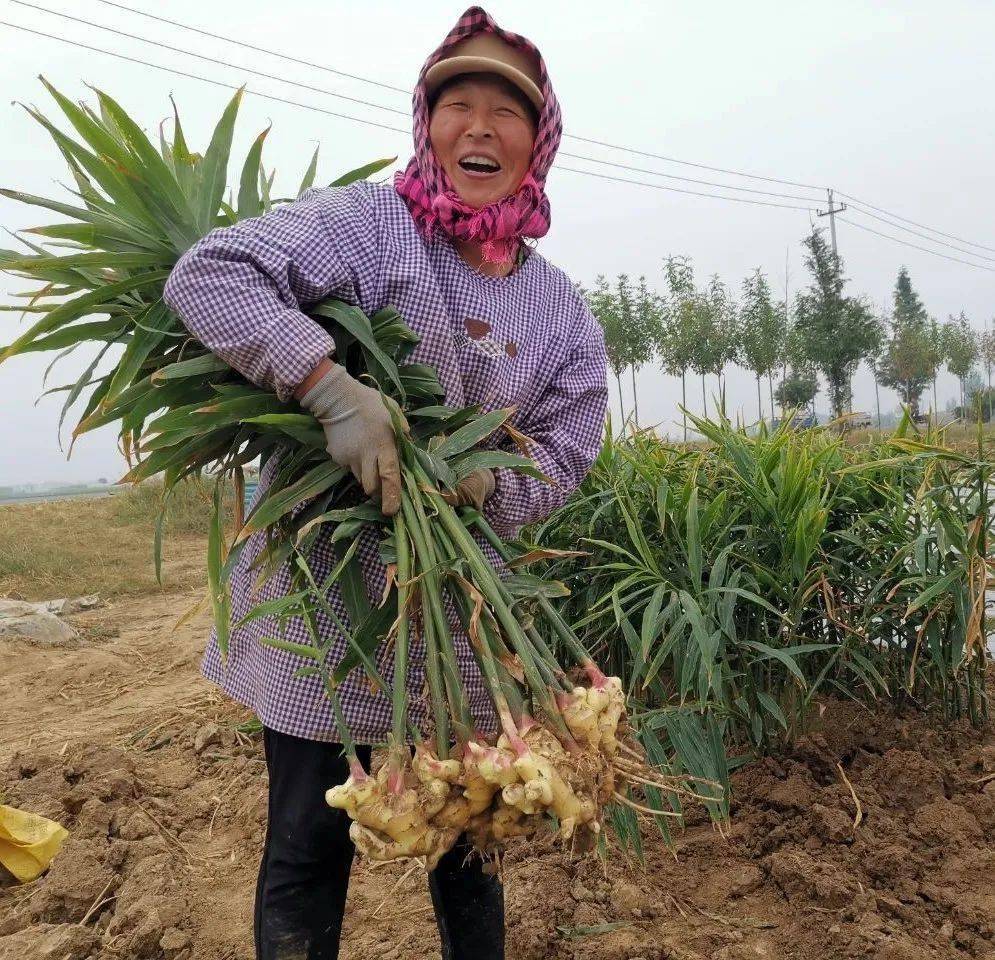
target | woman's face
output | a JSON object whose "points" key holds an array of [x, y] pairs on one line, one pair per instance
{"points": [[482, 135]]}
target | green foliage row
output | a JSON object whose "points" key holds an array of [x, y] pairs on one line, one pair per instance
{"points": [[731, 584]]}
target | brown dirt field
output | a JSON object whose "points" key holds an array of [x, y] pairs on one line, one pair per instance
{"points": [[164, 840]]}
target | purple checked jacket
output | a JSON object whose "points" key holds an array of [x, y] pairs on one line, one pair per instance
{"points": [[526, 340]]}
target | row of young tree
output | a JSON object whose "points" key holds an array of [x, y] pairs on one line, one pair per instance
{"points": [[701, 330]]}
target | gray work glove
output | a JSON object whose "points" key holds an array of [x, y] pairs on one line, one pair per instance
{"points": [[472, 490], [359, 433]]}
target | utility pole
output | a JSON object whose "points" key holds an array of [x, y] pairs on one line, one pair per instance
{"points": [[988, 364], [831, 213]]}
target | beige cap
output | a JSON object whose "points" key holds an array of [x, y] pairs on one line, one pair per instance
{"points": [[488, 53]]}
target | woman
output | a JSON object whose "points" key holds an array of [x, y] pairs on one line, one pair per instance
{"points": [[502, 327]]}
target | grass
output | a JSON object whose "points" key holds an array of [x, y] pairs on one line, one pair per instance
{"points": [[72, 547]]}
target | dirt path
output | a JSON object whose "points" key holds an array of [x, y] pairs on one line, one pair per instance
{"points": [[121, 741]]}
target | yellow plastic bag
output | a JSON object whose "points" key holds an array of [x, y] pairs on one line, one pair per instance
{"points": [[28, 842]]}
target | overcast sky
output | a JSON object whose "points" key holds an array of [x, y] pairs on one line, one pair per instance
{"points": [[888, 102]]}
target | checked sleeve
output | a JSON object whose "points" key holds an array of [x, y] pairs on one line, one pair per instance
{"points": [[241, 289]]}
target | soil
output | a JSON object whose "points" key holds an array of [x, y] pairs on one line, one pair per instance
{"points": [[874, 837]]}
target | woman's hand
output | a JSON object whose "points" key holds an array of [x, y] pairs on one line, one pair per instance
{"points": [[472, 490], [358, 432]]}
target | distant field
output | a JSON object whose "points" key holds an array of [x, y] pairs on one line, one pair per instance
{"points": [[958, 436], [96, 492], [102, 545]]}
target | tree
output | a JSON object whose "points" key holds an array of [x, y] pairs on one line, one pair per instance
{"points": [[937, 355], [710, 334], [784, 314], [875, 354], [797, 390], [725, 318], [629, 321], [645, 316], [976, 398], [908, 362], [761, 331], [604, 306], [960, 345], [908, 309], [677, 345], [837, 330], [799, 379], [987, 350]]}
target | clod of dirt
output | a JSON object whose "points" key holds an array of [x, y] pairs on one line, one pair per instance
{"points": [[136, 827], [94, 819], [902, 950], [78, 878], [141, 928], [628, 899], [944, 820], [70, 605], [579, 892], [44, 941], [205, 736], [587, 915], [173, 941], [907, 779], [802, 877], [738, 880], [755, 950], [888, 862], [795, 793], [831, 824]]}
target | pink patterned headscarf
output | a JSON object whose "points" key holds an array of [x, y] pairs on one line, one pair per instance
{"points": [[433, 202]]}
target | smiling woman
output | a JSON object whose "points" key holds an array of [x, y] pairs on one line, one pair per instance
{"points": [[503, 329]]}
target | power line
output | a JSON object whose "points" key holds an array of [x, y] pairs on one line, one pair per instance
{"points": [[351, 76], [914, 223], [370, 123], [214, 60], [688, 163], [249, 46], [916, 246], [377, 106], [674, 176], [195, 76], [693, 193], [916, 233]]}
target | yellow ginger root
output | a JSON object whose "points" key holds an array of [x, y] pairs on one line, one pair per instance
{"points": [[431, 844], [541, 762], [477, 791], [581, 720], [514, 796], [501, 824], [397, 815], [598, 698], [610, 716], [349, 796], [539, 792], [428, 767], [495, 764], [433, 797]]}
